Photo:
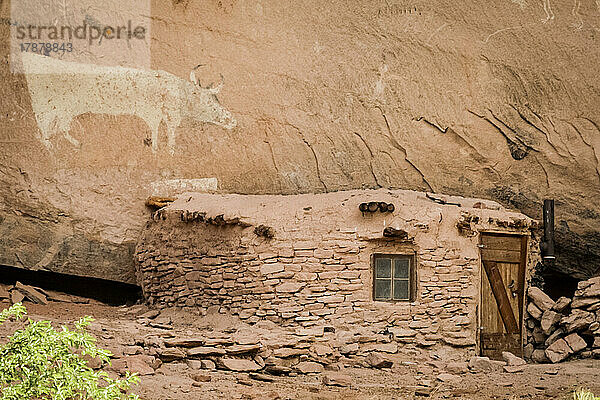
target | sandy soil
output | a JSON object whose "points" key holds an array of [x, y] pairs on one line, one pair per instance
{"points": [[117, 328]]}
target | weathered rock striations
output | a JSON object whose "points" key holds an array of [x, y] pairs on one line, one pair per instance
{"points": [[494, 100]]}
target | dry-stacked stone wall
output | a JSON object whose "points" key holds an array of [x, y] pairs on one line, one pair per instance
{"points": [[565, 328], [313, 271]]}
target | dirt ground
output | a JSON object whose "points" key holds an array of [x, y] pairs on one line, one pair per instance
{"points": [[118, 327]]}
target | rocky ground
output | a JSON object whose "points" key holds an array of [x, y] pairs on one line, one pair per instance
{"points": [[164, 348]]}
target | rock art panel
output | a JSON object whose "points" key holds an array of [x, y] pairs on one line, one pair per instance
{"points": [[61, 91], [476, 99], [171, 187]]}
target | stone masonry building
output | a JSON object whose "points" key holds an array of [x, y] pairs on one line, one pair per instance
{"points": [[392, 271]]}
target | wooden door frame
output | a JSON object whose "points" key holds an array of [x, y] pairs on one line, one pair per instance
{"points": [[522, 281]]}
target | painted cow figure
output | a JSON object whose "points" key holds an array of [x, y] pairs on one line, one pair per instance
{"points": [[61, 90]]}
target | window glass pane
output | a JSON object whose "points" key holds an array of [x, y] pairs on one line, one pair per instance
{"points": [[401, 290], [383, 268], [383, 289], [401, 268]]}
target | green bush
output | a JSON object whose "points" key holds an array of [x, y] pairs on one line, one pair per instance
{"points": [[40, 362]]}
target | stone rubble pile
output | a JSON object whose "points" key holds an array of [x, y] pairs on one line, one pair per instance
{"points": [[557, 330], [19, 292], [265, 351], [25, 293], [260, 352]]}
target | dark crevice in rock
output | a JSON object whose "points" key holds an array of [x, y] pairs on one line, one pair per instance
{"points": [[106, 291], [272, 155], [518, 151], [312, 150], [59, 247], [316, 162], [545, 171], [370, 159], [587, 144], [558, 284], [397, 145], [431, 124], [518, 148], [577, 254]]}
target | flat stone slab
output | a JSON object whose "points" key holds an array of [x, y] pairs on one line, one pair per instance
{"points": [[575, 342], [541, 299], [31, 293], [513, 368], [239, 365], [278, 370], [171, 354], [260, 377], [337, 379], [511, 359], [185, 342], [449, 378], [577, 320], [309, 367], [206, 351], [140, 364], [484, 364], [243, 348], [4, 294], [549, 320], [377, 360], [558, 351], [561, 304]]}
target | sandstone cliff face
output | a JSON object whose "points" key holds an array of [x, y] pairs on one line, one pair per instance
{"points": [[499, 101]]}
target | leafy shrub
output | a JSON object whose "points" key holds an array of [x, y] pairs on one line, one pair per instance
{"points": [[40, 362]]}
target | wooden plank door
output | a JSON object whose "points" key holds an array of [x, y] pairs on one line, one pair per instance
{"points": [[503, 260]]}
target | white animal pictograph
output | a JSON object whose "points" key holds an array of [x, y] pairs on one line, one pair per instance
{"points": [[548, 10], [61, 90], [575, 12]]}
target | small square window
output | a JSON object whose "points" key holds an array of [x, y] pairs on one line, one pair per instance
{"points": [[393, 277]]}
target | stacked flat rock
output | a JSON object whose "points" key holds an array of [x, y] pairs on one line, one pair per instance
{"points": [[558, 330], [274, 351]]}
